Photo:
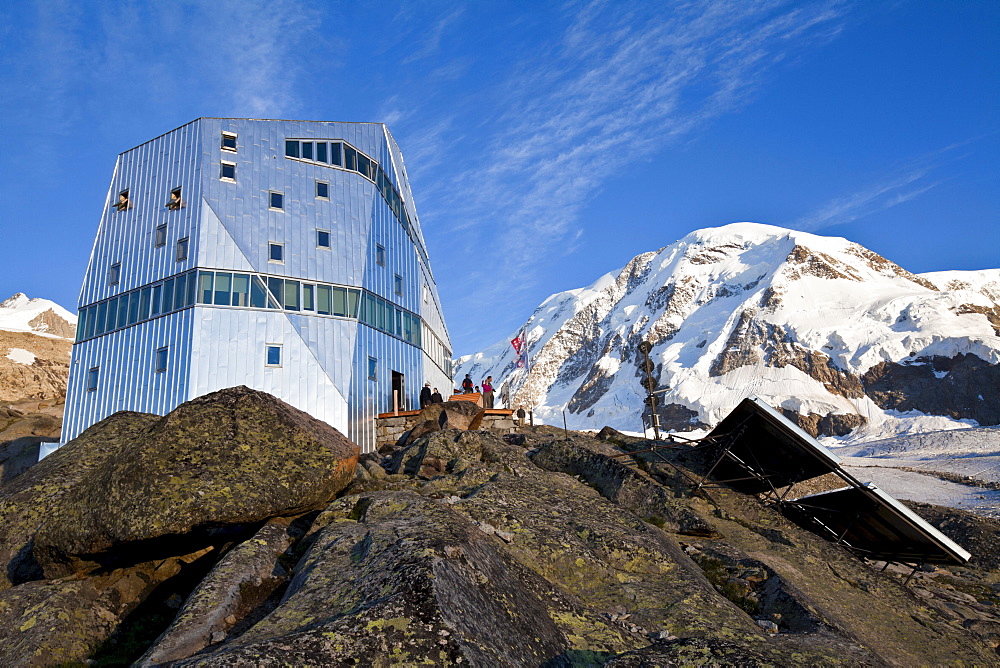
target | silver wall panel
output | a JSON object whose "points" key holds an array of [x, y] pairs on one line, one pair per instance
{"points": [[127, 379]]}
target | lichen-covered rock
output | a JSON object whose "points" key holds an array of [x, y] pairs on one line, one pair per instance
{"points": [[29, 500], [603, 467], [398, 578], [220, 463], [244, 578], [63, 621]]}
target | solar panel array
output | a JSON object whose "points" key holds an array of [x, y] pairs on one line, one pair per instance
{"points": [[757, 450]]}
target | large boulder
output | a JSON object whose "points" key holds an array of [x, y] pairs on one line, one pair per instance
{"points": [[29, 500], [465, 415], [214, 468]]}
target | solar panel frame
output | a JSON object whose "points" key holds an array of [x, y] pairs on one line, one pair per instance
{"points": [[870, 521], [792, 455]]}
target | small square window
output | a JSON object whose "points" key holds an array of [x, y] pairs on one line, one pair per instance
{"points": [[114, 273], [228, 142], [322, 190], [276, 201], [276, 252], [322, 239], [160, 360], [397, 284], [291, 148], [161, 235], [123, 202], [228, 171], [272, 355], [175, 202], [182, 250], [92, 374], [380, 255], [372, 368]]}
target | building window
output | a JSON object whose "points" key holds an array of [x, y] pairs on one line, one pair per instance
{"points": [[397, 284], [229, 142], [322, 238], [123, 202], [276, 201], [182, 250], [175, 202], [291, 148], [161, 236], [380, 255], [322, 189], [276, 252], [228, 171], [372, 368], [114, 273], [272, 355], [160, 360], [92, 378], [427, 294]]}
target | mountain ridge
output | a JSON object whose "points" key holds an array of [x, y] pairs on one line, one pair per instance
{"points": [[821, 326]]}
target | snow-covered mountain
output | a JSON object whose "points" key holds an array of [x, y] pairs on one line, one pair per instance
{"points": [[840, 338], [36, 336], [39, 316]]}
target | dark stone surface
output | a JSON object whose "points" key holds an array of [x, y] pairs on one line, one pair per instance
{"points": [[216, 466], [454, 414], [969, 388], [29, 500]]}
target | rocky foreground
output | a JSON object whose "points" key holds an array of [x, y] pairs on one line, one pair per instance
{"points": [[238, 531]]}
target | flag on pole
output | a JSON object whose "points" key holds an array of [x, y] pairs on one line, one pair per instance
{"points": [[520, 343]]}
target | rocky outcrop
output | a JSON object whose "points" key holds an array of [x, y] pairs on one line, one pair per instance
{"points": [[831, 424], [52, 323], [542, 547], [46, 372], [963, 386], [225, 462]]}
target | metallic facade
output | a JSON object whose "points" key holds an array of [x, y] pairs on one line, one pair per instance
{"points": [[138, 350]]}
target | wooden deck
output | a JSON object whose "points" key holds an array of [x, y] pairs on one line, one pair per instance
{"points": [[489, 411]]}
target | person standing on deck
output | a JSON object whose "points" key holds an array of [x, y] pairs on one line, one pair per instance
{"points": [[425, 396], [488, 392], [436, 397], [467, 385]]}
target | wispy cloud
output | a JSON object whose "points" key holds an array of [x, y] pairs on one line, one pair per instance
{"points": [[883, 195], [624, 82], [220, 57], [905, 184], [431, 40]]}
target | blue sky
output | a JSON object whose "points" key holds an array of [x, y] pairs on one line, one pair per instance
{"points": [[545, 146]]}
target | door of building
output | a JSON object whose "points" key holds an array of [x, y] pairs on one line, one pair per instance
{"points": [[398, 391]]}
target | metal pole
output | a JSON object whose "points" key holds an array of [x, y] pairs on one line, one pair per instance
{"points": [[565, 430]]}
